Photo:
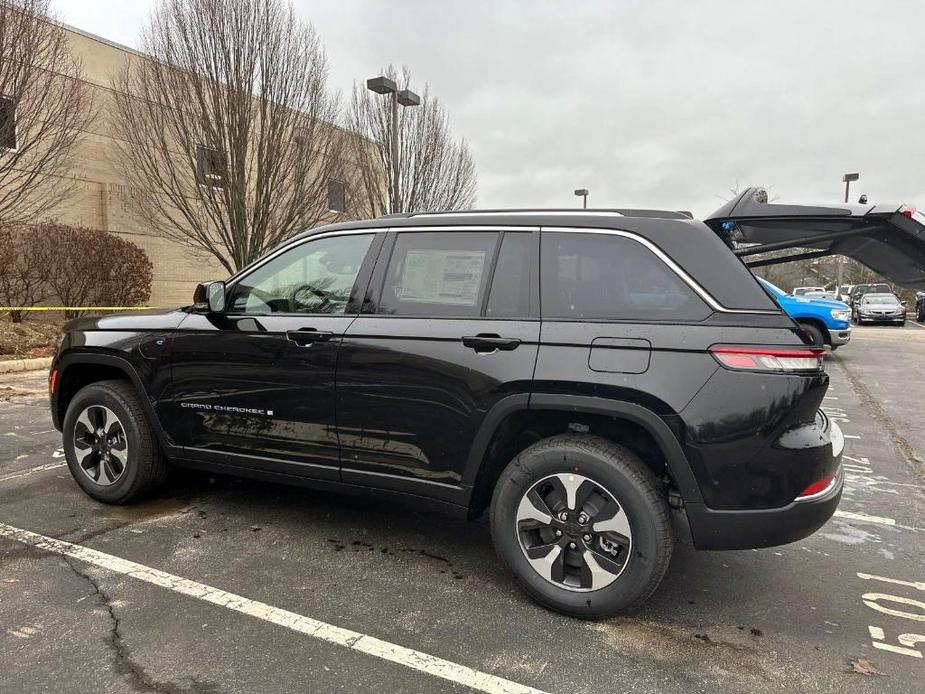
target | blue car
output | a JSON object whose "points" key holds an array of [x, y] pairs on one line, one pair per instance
{"points": [[826, 321]]}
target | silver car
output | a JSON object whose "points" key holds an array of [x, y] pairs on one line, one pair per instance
{"points": [[879, 308]]}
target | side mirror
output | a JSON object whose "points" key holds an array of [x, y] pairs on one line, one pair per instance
{"points": [[903, 303], [209, 297]]}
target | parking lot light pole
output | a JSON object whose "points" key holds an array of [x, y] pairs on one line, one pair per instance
{"points": [[847, 178], [405, 97], [583, 194]]}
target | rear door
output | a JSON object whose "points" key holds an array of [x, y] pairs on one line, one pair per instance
{"points": [[889, 239], [451, 328]]}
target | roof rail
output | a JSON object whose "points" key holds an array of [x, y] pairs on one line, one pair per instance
{"points": [[625, 212]]}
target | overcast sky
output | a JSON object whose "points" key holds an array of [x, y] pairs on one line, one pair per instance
{"points": [[662, 104]]}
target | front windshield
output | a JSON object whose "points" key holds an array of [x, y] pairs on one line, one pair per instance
{"points": [[880, 299]]}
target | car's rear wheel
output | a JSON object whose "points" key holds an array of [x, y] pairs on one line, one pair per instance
{"points": [[815, 334], [109, 446], [583, 525]]}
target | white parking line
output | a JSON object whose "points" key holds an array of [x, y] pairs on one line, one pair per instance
{"points": [[863, 517], [354, 640], [31, 471]]}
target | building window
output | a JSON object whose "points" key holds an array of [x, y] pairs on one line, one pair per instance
{"points": [[7, 123], [337, 196], [210, 166]]}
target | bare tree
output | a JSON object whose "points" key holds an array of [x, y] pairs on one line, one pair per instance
{"points": [[436, 172], [228, 126], [44, 107]]}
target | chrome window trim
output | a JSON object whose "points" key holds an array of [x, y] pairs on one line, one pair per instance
{"points": [[672, 265]]}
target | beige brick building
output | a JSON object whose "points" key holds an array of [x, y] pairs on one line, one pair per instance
{"points": [[101, 197]]}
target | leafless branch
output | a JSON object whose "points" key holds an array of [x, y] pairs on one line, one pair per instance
{"points": [[248, 81], [46, 107], [436, 172]]}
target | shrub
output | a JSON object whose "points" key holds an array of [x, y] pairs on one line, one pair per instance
{"points": [[22, 276], [89, 267], [79, 266]]}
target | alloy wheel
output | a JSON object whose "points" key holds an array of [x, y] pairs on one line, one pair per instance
{"points": [[573, 532], [100, 445]]}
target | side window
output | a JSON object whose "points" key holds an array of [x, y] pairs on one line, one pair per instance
{"points": [[438, 273], [512, 288], [608, 277], [314, 277]]}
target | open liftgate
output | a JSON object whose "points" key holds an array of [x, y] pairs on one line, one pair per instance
{"points": [[889, 239]]}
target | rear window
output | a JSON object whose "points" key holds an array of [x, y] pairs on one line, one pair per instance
{"points": [[609, 277], [438, 274]]}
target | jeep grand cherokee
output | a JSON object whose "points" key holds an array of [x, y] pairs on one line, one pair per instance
{"points": [[601, 382]]}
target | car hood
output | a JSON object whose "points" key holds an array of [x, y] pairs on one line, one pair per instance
{"points": [[820, 303], [148, 319]]}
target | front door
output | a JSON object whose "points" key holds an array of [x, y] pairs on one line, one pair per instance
{"points": [[254, 386], [452, 330]]}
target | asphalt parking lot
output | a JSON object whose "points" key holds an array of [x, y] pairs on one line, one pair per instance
{"points": [[229, 577]]}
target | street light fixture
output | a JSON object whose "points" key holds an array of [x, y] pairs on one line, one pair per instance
{"points": [[405, 97], [583, 194], [847, 179]]}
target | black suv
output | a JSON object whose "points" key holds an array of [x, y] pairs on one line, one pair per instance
{"points": [[602, 382]]}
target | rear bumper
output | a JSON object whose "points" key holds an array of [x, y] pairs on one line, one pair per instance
{"points": [[717, 529]]}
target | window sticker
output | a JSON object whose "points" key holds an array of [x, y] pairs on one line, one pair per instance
{"points": [[433, 276]]}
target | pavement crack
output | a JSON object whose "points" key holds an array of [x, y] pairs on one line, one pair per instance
{"points": [[124, 664]]}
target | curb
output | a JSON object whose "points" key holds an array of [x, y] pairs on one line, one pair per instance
{"points": [[17, 365]]}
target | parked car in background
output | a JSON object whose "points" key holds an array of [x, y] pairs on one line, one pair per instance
{"points": [[802, 291], [860, 290], [920, 307], [879, 308], [843, 293], [827, 322]]}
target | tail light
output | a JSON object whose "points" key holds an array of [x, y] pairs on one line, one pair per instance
{"points": [[774, 359], [907, 211]]}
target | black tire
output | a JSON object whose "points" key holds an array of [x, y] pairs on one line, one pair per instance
{"points": [[634, 488], [145, 467], [815, 334]]}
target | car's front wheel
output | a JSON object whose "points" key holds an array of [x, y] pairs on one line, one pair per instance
{"points": [[109, 446], [814, 333], [583, 525]]}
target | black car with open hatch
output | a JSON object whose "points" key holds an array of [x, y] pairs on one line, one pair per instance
{"points": [[602, 383]]}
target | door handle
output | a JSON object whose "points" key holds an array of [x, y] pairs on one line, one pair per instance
{"points": [[305, 337], [486, 343]]}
